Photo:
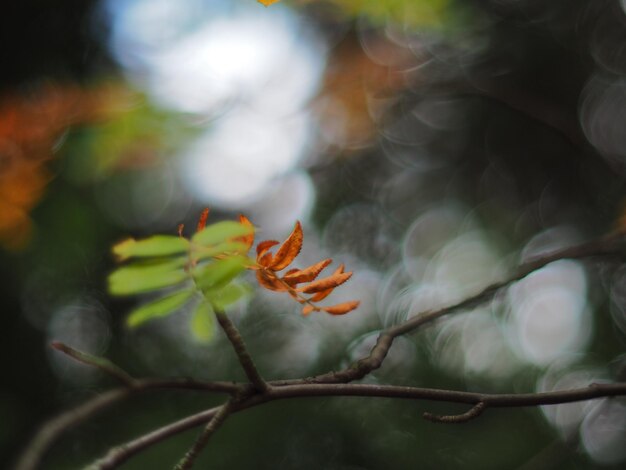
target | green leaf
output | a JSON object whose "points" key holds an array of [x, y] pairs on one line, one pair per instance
{"points": [[220, 272], [228, 295], [201, 252], [221, 232], [145, 277], [157, 245], [202, 322], [159, 308]]}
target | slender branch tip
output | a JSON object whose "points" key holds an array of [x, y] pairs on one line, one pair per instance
{"points": [[102, 363], [469, 415]]}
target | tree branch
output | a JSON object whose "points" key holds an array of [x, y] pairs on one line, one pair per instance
{"points": [[504, 400], [330, 384], [608, 245], [120, 454], [307, 390], [52, 430], [233, 335], [216, 421]]}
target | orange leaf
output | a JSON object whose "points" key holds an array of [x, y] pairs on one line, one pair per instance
{"points": [[262, 248], [309, 274], [247, 240], [342, 308], [340, 269], [329, 282], [265, 260], [203, 218], [268, 283], [307, 309], [321, 295], [289, 249], [286, 279], [267, 3]]}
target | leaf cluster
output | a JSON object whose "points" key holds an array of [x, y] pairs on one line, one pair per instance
{"points": [[203, 270], [312, 289], [200, 270]]}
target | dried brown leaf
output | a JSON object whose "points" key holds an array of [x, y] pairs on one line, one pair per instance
{"points": [[269, 283], [290, 272], [342, 308], [309, 274], [329, 282], [321, 295], [262, 248], [265, 259], [341, 268], [289, 249]]}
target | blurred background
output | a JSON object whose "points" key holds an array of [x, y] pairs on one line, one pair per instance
{"points": [[431, 145]]}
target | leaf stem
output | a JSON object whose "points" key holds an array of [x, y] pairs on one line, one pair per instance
{"points": [[236, 340]]}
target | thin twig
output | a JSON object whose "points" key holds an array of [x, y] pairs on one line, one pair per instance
{"points": [[233, 335], [52, 430], [218, 418], [98, 362], [120, 454]]}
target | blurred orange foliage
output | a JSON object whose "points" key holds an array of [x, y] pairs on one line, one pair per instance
{"points": [[357, 89], [31, 125]]}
